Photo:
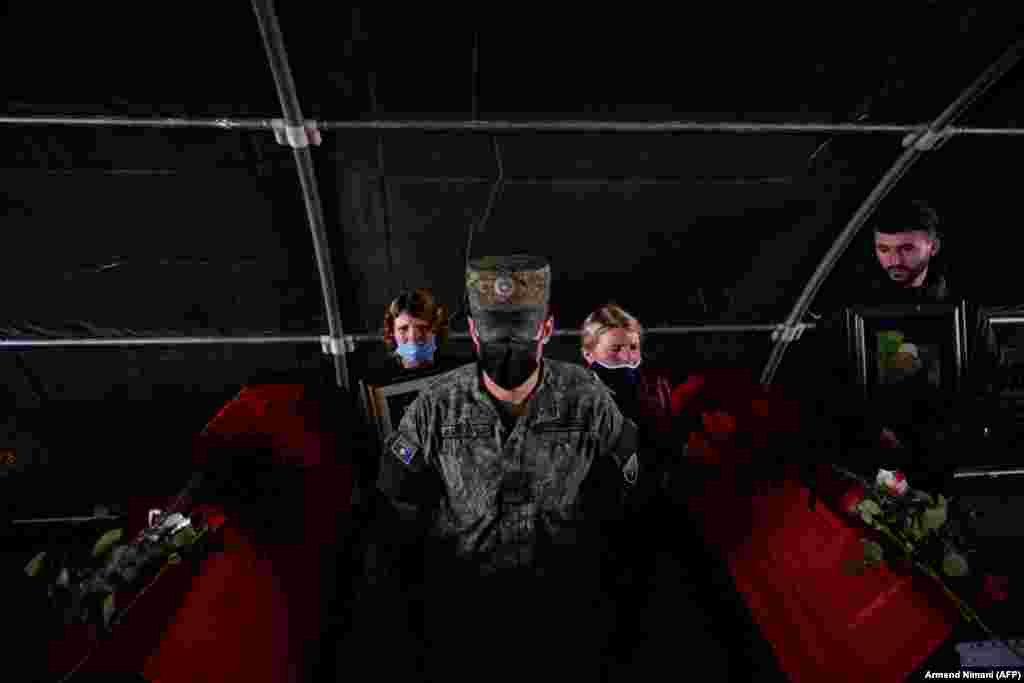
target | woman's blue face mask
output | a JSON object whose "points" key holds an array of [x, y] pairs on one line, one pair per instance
{"points": [[413, 352]]}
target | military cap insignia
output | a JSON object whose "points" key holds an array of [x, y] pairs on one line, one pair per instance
{"points": [[503, 287], [502, 283], [404, 450], [631, 470]]}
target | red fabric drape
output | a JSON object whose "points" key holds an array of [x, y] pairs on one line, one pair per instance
{"points": [[253, 612], [786, 559]]}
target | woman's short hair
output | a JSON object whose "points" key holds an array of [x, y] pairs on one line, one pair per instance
{"points": [[419, 303], [611, 316]]}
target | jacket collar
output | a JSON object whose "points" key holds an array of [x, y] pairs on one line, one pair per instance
{"points": [[934, 290]]}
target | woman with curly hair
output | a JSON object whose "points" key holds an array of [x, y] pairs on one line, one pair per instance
{"points": [[415, 330]]}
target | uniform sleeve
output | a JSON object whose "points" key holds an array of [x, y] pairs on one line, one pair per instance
{"points": [[619, 441], [407, 475]]}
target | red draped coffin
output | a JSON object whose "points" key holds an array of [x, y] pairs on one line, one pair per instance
{"points": [[786, 558], [253, 611]]}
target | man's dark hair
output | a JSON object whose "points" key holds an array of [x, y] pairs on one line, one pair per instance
{"points": [[905, 216]]}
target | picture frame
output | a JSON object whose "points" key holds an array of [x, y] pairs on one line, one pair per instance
{"points": [[1000, 352], [385, 404], [999, 360], [922, 343]]}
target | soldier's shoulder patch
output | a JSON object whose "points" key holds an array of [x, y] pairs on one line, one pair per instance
{"points": [[403, 449], [631, 470]]}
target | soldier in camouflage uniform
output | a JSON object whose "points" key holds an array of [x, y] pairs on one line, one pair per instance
{"points": [[518, 468]]}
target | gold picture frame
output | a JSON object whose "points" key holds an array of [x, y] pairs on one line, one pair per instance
{"points": [[385, 404]]}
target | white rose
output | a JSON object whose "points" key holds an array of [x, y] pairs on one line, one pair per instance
{"points": [[893, 481]]}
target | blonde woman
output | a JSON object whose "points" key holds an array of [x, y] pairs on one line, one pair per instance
{"points": [[612, 347]]}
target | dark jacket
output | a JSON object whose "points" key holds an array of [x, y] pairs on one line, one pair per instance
{"points": [[650, 407], [846, 421], [936, 289]]}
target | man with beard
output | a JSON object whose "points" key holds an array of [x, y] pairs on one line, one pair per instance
{"points": [[906, 241], [515, 470]]}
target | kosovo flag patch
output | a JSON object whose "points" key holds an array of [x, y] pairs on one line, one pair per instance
{"points": [[404, 450]]}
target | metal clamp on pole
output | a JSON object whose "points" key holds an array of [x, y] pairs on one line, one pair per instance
{"points": [[333, 346], [296, 137], [789, 334], [926, 141]]}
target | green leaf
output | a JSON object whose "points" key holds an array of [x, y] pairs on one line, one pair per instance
{"points": [[934, 517], [866, 516], [107, 542], [871, 507], [873, 553], [35, 565], [955, 564], [184, 538], [914, 527], [109, 608]]}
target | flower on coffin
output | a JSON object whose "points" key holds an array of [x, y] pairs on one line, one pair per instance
{"points": [[718, 424], [852, 499], [914, 523], [996, 588], [895, 482], [917, 530], [85, 583], [761, 408]]}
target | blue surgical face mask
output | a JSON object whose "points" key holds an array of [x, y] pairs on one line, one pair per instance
{"points": [[420, 352]]}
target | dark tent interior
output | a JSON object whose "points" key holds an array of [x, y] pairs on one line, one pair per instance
{"points": [[173, 232]]}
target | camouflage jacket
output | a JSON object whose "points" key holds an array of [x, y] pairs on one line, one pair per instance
{"points": [[525, 499]]}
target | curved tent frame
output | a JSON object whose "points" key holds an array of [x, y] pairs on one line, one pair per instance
{"points": [[297, 132]]}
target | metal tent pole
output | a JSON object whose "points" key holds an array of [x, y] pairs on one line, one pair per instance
{"points": [[647, 127], [350, 340], [915, 148], [158, 341], [370, 337], [812, 128], [295, 133], [135, 122]]}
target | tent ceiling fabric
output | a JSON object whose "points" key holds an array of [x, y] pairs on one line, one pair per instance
{"points": [[769, 63], [900, 66]]}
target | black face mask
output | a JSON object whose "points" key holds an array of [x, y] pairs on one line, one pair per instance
{"points": [[624, 383], [509, 362]]}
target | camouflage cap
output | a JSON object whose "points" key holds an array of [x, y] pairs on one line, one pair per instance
{"points": [[508, 292]]}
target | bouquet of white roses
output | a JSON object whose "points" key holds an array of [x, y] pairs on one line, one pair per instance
{"points": [[84, 586], [917, 530]]}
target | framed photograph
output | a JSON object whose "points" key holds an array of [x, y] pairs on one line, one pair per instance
{"points": [[922, 344], [385, 405], [999, 361], [1001, 351]]}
